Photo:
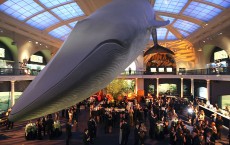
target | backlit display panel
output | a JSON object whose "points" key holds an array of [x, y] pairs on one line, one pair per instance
{"points": [[36, 58], [2, 52]]}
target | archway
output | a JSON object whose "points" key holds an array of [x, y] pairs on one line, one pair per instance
{"points": [[161, 63]]}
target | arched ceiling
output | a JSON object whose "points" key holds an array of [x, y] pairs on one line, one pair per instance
{"points": [[54, 19]]}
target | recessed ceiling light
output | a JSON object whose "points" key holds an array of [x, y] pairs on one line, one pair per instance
{"points": [[36, 42], [204, 41], [29, 41], [40, 44]]}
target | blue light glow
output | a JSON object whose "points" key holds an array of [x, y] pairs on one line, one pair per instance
{"points": [[201, 11], [171, 6], [161, 33], [20, 9], [68, 11], [184, 34], [53, 3], [60, 32], [171, 19], [171, 36], [223, 3], [73, 24], [186, 25], [42, 21]]}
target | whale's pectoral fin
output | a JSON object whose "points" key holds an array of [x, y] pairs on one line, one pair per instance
{"points": [[157, 24]]}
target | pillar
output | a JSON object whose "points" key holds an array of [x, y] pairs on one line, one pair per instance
{"points": [[139, 85], [182, 88], [192, 86], [157, 87], [208, 90], [12, 99]]}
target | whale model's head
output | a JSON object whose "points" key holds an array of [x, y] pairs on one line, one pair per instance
{"points": [[98, 49]]}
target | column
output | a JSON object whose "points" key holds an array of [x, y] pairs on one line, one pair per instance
{"points": [[12, 99], [139, 85], [157, 87], [182, 88], [192, 86], [208, 90]]}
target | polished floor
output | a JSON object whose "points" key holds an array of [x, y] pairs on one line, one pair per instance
{"points": [[16, 135]]}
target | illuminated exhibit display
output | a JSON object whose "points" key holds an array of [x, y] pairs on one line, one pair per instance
{"points": [[2, 52], [98, 49]]}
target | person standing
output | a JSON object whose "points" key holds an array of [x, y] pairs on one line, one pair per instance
{"points": [[68, 132], [219, 126], [44, 125], [50, 123], [86, 137], [191, 98], [39, 129], [120, 133], [136, 134], [143, 132], [125, 133], [196, 140]]}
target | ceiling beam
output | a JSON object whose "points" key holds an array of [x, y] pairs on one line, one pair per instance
{"points": [[171, 29], [46, 9], [17, 26], [90, 6], [64, 23], [190, 19], [214, 26]]}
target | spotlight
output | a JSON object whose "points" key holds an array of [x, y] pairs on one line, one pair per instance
{"points": [[190, 110]]}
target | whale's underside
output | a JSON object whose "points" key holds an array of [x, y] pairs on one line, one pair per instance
{"points": [[98, 49]]}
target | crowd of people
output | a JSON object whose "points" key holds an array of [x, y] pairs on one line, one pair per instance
{"points": [[161, 116], [155, 119]]}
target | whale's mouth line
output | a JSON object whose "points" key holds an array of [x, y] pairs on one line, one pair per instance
{"points": [[64, 78]]}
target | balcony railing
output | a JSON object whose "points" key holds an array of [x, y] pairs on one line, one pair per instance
{"points": [[14, 71], [209, 71]]}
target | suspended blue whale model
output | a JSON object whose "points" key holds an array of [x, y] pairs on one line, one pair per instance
{"points": [[97, 50]]}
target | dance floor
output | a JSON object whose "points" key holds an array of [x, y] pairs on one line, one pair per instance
{"points": [[16, 135]]}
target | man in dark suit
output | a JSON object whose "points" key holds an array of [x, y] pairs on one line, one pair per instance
{"points": [[49, 124], [125, 133], [68, 132], [196, 140], [136, 134], [86, 137]]}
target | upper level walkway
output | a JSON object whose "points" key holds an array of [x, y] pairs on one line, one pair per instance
{"points": [[11, 74]]}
